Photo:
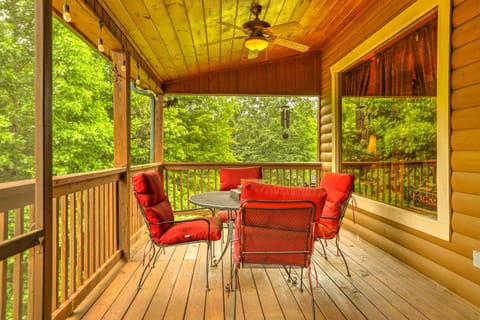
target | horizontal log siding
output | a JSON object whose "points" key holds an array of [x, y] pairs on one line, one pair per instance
{"points": [[449, 263], [298, 75]]}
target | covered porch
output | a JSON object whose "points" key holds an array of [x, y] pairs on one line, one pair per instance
{"points": [[77, 242]]}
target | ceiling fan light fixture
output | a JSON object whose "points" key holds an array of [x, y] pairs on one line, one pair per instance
{"points": [[256, 43]]}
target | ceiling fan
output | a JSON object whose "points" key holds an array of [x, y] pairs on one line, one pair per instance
{"points": [[259, 33]]}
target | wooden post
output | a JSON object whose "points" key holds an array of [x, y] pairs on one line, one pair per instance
{"points": [[121, 131], [158, 140], [42, 283]]}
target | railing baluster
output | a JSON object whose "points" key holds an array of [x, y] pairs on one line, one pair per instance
{"points": [[18, 268], [72, 237], [79, 266], [3, 266], [64, 249], [55, 252]]}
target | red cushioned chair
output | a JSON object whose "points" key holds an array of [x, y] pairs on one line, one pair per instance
{"points": [[163, 229], [278, 212], [339, 187], [271, 232], [231, 178]]}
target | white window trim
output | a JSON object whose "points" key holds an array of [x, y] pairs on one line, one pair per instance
{"points": [[439, 227]]}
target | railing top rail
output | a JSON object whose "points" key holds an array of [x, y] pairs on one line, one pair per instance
{"points": [[218, 165], [400, 162]]}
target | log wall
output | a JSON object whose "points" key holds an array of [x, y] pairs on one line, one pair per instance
{"points": [[297, 75], [448, 263]]}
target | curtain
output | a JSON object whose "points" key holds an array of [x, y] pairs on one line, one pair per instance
{"points": [[407, 67], [356, 81], [425, 57]]}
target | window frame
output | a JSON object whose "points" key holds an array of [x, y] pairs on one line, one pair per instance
{"points": [[439, 227]]}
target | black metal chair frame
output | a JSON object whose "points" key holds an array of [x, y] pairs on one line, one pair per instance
{"points": [[306, 251], [156, 248], [343, 210]]}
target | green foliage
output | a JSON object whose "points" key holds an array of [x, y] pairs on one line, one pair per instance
{"points": [[258, 134], [246, 129], [140, 129], [200, 129], [82, 106], [17, 110], [405, 128]]}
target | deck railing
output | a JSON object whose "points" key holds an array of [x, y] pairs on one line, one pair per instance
{"points": [[408, 184], [184, 179], [85, 240]]}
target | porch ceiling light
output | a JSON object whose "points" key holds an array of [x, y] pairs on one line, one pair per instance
{"points": [[100, 46], [66, 12], [255, 43]]}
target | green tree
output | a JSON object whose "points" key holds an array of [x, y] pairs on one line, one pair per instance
{"points": [[259, 133], [405, 128], [17, 109], [82, 105], [140, 128], [200, 129]]}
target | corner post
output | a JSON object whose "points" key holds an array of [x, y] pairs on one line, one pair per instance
{"points": [[121, 133]]}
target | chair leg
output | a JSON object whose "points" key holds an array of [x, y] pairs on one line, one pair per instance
{"points": [[323, 247], [150, 263], [209, 252], [235, 285], [337, 243], [311, 289], [290, 278]]}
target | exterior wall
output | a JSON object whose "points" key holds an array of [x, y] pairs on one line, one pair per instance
{"points": [[448, 263], [297, 75]]}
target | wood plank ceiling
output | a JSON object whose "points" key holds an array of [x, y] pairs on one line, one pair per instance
{"points": [[177, 39]]}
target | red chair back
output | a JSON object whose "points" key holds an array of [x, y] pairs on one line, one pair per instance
{"points": [[274, 232], [230, 178], [339, 187], [156, 208]]}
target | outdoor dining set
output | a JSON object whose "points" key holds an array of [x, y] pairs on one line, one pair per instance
{"points": [[266, 224]]}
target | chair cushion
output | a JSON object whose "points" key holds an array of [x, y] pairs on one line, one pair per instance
{"points": [[223, 215], [148, 188], [157, 213], [192, 231], [338, 186], [252, 190], [230, 178]]}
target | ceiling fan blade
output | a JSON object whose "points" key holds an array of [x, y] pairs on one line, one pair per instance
{"points": [[223, 40], [229, 25], [286, 28], [291, 44], [252, 54]]}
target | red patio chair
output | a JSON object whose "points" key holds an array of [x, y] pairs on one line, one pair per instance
{"points": [[163, 229], [271, 232], [231, 178], [339, 187]]}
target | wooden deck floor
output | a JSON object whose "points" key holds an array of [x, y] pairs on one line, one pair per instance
{"points": [[381, 287]]}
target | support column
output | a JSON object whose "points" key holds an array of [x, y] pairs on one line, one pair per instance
{"points": [[43, 257], [121, 159], [158, 137]]}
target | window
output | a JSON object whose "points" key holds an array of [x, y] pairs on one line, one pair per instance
{"points": [[391, 119]]}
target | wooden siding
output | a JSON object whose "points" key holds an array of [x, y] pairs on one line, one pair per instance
{"points": [[448, 263], [290, 76]]}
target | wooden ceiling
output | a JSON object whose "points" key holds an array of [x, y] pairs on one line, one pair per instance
{"points": [[176, 39]]}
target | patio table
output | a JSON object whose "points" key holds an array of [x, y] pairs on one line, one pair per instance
{"points": [[223, 201]]}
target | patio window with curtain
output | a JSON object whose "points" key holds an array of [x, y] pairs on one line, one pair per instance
{"points": [[389, 99]]}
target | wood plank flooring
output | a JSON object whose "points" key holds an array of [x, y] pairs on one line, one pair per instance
{"points": [[380, 287]]}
